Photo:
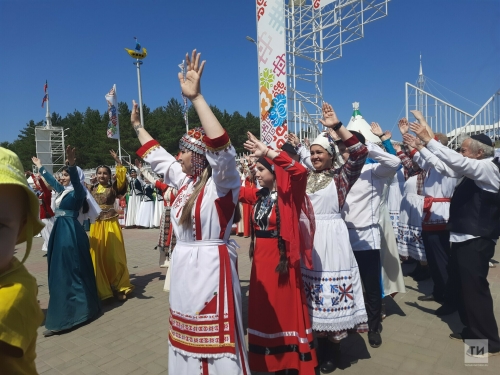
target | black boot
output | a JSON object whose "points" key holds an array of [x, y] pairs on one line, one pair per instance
{"points": [[423, 274], [321, 349], [331, 358], [416, 270]]}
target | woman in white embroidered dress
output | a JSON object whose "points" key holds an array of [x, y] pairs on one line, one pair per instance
{"points": [[206, 330], [333, 286]]}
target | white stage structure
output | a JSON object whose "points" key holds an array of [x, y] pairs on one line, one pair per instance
{"points": [[49, 140], [448, 119], [317, 30]]}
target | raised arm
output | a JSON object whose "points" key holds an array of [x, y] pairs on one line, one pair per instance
{"points": [[387, 164], [426, 159], [148, 176], [348, 174], [48, 177], [477, 170], [120, 183], [191, 89], [80, 192]]}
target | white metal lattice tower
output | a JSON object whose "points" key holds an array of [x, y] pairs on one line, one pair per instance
{"points": [[317, 30], [448, 119], [50, 143]]}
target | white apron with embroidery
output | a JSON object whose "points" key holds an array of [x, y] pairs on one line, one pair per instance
{"points": [[410, 241], [206, 328], [333, 287]]}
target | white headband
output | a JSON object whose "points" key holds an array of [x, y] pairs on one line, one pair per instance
{"points": [[323, 141]]}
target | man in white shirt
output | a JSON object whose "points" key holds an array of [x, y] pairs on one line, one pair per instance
{"points": [[361, 214], [474, 226]]}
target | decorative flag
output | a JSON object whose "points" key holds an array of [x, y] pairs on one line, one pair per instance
{"points": [[271, 45], [45, 87], [45, 98], [113, 125]]}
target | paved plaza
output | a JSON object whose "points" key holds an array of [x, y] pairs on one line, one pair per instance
{"points": [[132, 337]]}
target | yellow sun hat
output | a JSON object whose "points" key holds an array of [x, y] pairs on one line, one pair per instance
{"points": [[11, 173]]}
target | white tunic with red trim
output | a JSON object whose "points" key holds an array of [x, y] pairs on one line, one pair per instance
{"points": [[206, 331]]}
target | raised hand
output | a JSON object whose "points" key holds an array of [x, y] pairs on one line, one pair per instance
{"points": [[293, 139], [256, 147], [306, 142], [376, 129], [397, 147], [191, 85], [421, 131], [403, 125], [115, 156], [93, 179], [135, 117], [70, 155], [330, 118], [410, 140], [418, 115], [37, 162], [138, 163]]}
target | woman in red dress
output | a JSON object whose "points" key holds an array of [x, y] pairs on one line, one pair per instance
{"points": [[279, 330]]}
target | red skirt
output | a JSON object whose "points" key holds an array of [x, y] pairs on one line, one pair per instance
{"points": [[279, 328]]}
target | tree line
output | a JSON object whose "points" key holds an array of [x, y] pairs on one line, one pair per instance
{"points": [[87, 132]]}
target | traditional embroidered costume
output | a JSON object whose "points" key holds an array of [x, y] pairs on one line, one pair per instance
{"points": [[206, 329], [106, 240], [438, 189], [134, 201], [145, 214], [46, 212], [410, 241], [72, 284], [333, 285], [159, 207], [279, 329]]}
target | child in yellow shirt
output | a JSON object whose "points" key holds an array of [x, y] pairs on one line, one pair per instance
{"points": [[20, 314]]}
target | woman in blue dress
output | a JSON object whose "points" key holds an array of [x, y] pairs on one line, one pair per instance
{"points": [[72, 286]]}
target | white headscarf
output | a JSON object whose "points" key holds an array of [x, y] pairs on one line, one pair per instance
{"points": [[323, 141], [94, 209]]}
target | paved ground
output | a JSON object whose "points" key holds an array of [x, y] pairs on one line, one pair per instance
{"points": [[131, 337]]}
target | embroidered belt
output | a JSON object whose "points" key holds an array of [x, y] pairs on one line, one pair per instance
{"points": [[266, 234], [106, 206], [428, 204], [67, 213]]}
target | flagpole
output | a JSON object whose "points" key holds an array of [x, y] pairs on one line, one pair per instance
{"points": [[138, 64], [47, 111], [119, 135]]}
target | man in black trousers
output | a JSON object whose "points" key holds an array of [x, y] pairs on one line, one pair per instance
{"points": [[474, 226]]}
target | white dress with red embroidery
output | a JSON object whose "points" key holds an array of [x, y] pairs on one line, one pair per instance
{"points": [[206, 329]]}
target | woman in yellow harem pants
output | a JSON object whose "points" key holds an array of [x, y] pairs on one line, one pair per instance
{"points": [[106, 240]]}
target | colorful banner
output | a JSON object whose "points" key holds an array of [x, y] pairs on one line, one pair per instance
{"points": [[271, 44], [113, 125]]}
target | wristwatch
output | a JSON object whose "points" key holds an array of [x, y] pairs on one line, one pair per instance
{"points": [[337, 127]]}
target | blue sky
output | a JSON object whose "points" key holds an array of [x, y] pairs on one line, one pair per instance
{"points": [[78, 47]]}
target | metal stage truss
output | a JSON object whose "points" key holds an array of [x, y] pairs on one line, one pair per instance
{"points": [[50, 147], [316, 31]]}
